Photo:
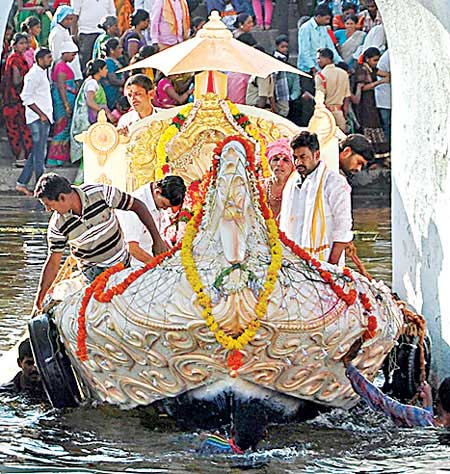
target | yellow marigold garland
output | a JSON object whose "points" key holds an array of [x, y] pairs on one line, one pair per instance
{"points": [[193, 276], [162, 164]]}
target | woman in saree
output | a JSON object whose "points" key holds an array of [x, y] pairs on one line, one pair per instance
{"points": [[63, 19], [111, 30], [113, 83], [39, 9], [90, 100], [64, 92], [350, 39], [32, 27], [16, 67], [134, 39], [367, 114], [166, 95], [279, 156]]}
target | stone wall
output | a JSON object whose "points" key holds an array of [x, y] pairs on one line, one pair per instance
{"points": [[5, 8], [419, 40]]}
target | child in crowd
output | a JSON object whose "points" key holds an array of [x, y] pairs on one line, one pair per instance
{"points": [[31, 27], [122, 107], [229, 14], [143, 53]]}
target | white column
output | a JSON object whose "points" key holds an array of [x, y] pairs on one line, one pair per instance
{"points": [[5, 6], [418, 33]]}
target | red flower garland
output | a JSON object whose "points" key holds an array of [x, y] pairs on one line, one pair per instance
{"points": [[98, 286], [348, 297], [234, 360], [372, 323]]}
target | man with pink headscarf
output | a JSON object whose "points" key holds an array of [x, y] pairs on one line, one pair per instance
{"points": [[279, 155]]}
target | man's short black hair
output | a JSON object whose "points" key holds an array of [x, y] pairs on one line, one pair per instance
{"points": [[322, 10], [444, 394], [306, 139], [50, 186], [41, 53], [25, 350], [348, 5], [326, 53], [172, 188], [140, 80], [359, 144], [344, 66], [281, 39]]}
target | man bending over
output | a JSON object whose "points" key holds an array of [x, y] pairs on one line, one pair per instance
{"points": [[83, 217]]}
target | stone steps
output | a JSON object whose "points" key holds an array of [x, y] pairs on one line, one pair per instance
{"points": [[267, 39]]}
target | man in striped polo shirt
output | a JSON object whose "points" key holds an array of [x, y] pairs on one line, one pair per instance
{"points": [[84, 218]]}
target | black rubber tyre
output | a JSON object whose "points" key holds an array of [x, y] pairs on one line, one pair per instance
{"points": [[53, 363], [406, 375]]}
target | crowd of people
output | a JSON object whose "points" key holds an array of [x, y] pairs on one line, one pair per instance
{"points": [[349, 64], [68, 56]]}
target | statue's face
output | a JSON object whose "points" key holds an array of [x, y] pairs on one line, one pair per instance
{"points": [[232, 204]]}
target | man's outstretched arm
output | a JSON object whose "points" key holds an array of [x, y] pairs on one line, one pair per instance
{"points": [[159, 246], [48, 275]]}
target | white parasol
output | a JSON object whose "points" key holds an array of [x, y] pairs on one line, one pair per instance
{"points": [[214, 49]]}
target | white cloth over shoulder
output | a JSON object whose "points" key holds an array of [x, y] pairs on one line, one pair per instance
{"points": [[375, 38], [317, 212], [132, 227]]}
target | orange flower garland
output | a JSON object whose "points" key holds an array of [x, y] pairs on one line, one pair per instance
{"points": [[98, 286], [349, 297]]}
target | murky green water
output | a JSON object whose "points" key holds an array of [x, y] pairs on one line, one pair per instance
{"points": [[37, 439]]}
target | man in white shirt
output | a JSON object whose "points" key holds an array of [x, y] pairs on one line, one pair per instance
{"points": [[383, 94], [316, 205], [89, 14], [37, 99], [158, 196], [139, 91]]}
